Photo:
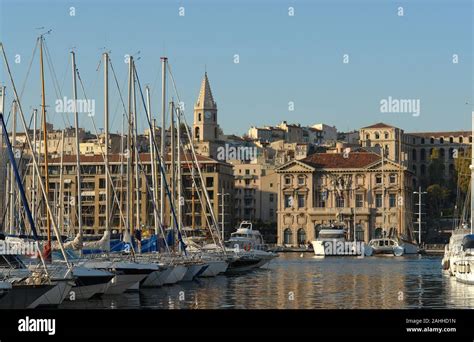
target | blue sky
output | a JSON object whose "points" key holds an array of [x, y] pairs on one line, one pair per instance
{"points": [[282, 58]]}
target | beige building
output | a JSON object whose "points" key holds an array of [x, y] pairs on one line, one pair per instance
{"points": [[217, 177], [415, 149], [256, 192], [358, 188]]}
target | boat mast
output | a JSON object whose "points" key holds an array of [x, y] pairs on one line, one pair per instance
{"points": [[152, 156], [163, 135], [33, 172], [172, 161], [12, 172], [78, 156], [472, 176], [129, 149], [383, 192], [179, 195], [135, 150], [45, 145], [61, 187], [106, 139]]}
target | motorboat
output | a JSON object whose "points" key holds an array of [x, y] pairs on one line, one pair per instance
{"points": [[463, 267], [392, 246], [247, 249], [331, 241]]}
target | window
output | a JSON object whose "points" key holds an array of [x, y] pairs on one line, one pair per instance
{"points": [[301, 203], [339, 201], [359, 200], [301, 236], [461, 140], [393, 178], [422, 154], [431, 140], [209, 182], [270, 213], [247, 172], [378, 179], [287, 180], [271, 185], [321, 199], [377, 135], [451, 140], [287, 236], [288, 201], [200, 117], [441, 140], [270, 198], [413, 154], [392, 199], [378, 200], [301, 180], [386, 135]]}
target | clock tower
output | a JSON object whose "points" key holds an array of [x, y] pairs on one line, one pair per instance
{"points": [[205, 128]]}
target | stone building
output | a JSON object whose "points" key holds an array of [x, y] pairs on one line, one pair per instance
{"points": [[217, 177], [359, 189], [256, 191]]}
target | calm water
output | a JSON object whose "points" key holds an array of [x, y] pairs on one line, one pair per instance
{"points": [[292, 282]]}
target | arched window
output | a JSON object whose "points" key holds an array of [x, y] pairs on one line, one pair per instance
{"points": [[431, 140], [451, 153], [377, 135], [461, 140], [451, 140], [441, 140], [413, 154], [196, 133], [317, 228], [442, 153], [422, 154], [199, 117], [301, 236], [287, 236], [385, 135], [423, 170]]}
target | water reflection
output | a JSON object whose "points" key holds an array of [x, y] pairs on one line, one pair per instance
{"points": [[292, 282]]}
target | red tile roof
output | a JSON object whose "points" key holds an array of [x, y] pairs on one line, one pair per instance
{"points": [[337, 160], [115, 158], [379, 125]]}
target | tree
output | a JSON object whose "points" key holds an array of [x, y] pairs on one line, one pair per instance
{"points": [[463, 173]]}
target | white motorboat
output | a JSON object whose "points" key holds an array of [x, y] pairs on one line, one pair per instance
{"points": [[331, 241], [247, 249], [463, 267], [453, 251], [392, 246]]}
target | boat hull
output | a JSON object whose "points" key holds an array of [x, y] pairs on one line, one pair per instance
{"points": [[24, 296], [176, 275], [56, 295]]}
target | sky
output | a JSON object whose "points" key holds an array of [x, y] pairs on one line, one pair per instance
{"points": [[282, 59]]}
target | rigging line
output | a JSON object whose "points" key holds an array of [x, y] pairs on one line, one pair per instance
{"points": [[192, 147], [162, 160], [55, 82], [29, 69], [195, 184], [102, 153]]}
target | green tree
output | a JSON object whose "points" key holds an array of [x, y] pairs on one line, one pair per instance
{"points": [[461, 166]]}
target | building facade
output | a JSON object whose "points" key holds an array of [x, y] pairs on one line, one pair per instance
{"points": [[217, 176], [359, 189]]}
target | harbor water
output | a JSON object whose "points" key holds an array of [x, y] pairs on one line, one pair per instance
{"points": [[302, 281]]}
